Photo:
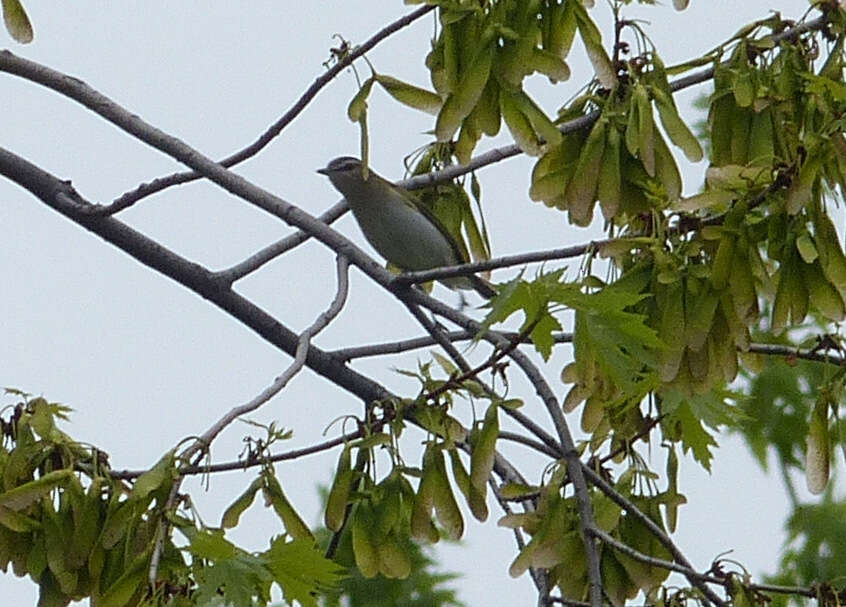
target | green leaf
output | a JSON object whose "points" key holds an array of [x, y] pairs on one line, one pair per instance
{"points": [[27, 494], [609, 185], [632, 137], [422, 527], [301, 570], [549, 186], [394, 562], [518, 124], [722, 263], [154, 478], [540, 122], [446, 508], [486, 111], [634, 533], [364, 548], [744, 88], [462, 101], [678, 131], [358, 106], [411, 95], [592, 39], [542, 334], [17, 521], [274, 496], [818, 450], [666, 170], [225, 573], [482, 457], [336, 503], [646, 129], [233, 513], [550, 64], [211, 545], [690, 412], [131, 580], [581, 191], [800, 191], [618, 340], [562, 28], [17, 22], [515, 490]]}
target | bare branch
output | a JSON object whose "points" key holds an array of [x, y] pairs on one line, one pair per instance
{"points": [[60, 196], [303, 343], [404, 345], [254, 148], [499, 262], [792, 352], [245, 464], [235, 184], [270, 252], [525, 440]]}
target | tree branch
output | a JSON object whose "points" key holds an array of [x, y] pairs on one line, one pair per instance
{"points": [[505, 261], [404, 345], [254, 148], [272, 251], [60, 196], [303, 343]]}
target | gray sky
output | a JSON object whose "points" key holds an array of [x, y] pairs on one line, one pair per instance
{"points": [[145, 363]]}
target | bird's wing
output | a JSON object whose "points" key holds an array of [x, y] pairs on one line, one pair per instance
{"points": [[460, 252]]}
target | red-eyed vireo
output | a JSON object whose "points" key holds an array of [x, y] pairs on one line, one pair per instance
{"points": [[402, 230]]}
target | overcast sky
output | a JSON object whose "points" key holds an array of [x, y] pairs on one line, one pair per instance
{"points": [[145, 363]]}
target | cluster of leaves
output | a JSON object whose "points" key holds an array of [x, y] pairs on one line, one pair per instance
{"points": [[693, 274], [80, 533], [478, 62], [758, 232], [623, 162], [383, 515], [556, 543], [424, 587]]}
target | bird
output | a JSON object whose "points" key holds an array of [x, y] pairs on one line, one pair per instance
{"points": [[401, 229]]}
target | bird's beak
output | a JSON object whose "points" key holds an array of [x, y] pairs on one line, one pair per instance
{"points": [[323, 171]]}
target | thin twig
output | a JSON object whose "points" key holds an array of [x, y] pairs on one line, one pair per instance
{"points": [[498, 354], [799, 590], [272, 251], [404, 345], [505, 261], [792, 352], [254, 148], [529, 442], [320, 323], [506, 347], [203, 442], [244, 464]]}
